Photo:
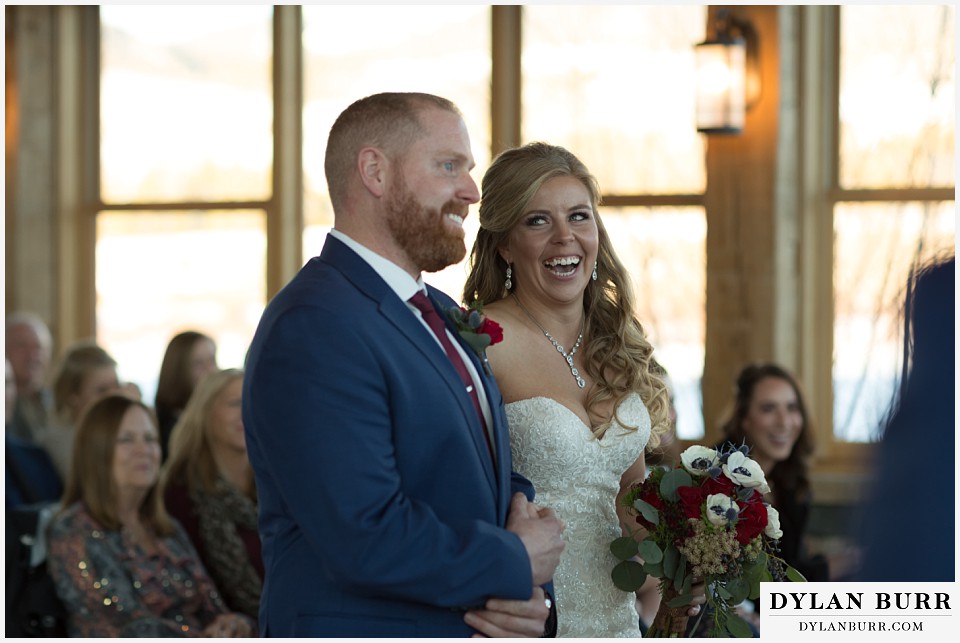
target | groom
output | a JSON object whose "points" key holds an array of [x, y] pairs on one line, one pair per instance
{"points": [[388, 506]]}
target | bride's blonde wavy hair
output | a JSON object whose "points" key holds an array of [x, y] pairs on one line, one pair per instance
{"points": [[617, 354]]}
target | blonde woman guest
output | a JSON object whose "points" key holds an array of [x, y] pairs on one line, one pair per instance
{"points": [[85, 373], [120, 564], [208, 486], [583, 395]]}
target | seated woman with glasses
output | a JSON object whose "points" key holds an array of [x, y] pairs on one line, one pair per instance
{"points": [[121, 565]]}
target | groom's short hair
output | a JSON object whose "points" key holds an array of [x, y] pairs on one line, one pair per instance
{"points": [[388, 121]]}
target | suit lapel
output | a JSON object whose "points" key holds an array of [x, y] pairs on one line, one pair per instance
{"points": [[397, 314]]}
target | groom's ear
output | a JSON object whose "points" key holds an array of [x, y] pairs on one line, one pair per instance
{"points": [[373, 167]]}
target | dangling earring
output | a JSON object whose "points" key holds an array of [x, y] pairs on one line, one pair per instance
{"points": [[594, 270], [508, 284]]}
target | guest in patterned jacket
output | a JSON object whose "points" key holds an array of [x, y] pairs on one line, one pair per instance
{"points": [[121, 565], [208, 486]]}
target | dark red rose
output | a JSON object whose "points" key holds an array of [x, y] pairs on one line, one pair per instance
{"points": [[493, 329], [720, 484], [650, 495], [691, 500], [752, 519]]}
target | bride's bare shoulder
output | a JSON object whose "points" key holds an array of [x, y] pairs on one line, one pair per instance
{"points": [[514, 334]]}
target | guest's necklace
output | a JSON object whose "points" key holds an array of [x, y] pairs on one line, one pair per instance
{"points": [[567, 356]]}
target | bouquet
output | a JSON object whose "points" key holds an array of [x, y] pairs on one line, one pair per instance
{"points": [[705, 521]]}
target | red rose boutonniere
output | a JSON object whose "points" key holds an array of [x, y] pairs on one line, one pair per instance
{"points": [[476, 330]]}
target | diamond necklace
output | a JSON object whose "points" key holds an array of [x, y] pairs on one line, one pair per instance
{"points": [[567, 356]]}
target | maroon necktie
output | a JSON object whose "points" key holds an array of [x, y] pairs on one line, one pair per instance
{"points": [[430, 315]]}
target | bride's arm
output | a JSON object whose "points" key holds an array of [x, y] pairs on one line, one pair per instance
{"points": [[636, 474]]}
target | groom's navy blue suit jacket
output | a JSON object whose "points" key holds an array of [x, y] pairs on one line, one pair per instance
{"points": [[381, 513]]}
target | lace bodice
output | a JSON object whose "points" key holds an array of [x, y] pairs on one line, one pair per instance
{"points": [[579, 477]]}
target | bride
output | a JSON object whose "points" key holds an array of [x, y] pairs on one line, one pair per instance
{"points": [[576, 371]]}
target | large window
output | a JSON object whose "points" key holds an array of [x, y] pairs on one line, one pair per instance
{"points": [[624, 103], [186, 155], [339, 68], [897, 124], [188, 159]]}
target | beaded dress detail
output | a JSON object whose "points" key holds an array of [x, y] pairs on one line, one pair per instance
{"points": [[579, 477]]}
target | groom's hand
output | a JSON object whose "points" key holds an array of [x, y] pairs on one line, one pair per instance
{"points": [[541, 533], [503, 618]]}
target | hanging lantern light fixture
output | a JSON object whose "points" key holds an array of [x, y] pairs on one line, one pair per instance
{"points": [[727, 76]]}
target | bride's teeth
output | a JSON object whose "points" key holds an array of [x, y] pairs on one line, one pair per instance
{"points": [[562, 261]]}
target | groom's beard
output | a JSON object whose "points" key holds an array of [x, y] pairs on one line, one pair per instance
{"points": [[421, 231]]}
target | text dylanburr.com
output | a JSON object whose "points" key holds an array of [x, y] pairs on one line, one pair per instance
{"points": [[859, 611]]}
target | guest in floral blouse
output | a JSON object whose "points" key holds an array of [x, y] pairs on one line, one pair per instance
{"points": [[208, 486], [121, 565]]}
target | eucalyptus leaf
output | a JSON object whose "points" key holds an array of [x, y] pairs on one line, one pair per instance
{"points": [[755, 571], [624, 548], [681, 572], [738, 627], [723, 593], [474, 320], [794, 575], [680, 601], [739, 590], [673, 480], [628, 575], [745, 493], [671, 559], [687, 584], [654, 569], [647, 510], [477, 341], [649, 551]]}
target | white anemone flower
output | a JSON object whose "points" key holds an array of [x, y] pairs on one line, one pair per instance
{"points": [[773, 524], [698, 460], [718, 509], [745, 472]]}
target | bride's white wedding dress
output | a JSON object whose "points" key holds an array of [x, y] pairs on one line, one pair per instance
{"points": [[579, 477]]}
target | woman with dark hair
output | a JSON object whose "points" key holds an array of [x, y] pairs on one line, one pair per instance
{"points": [[189, 356], [121, 565], [771, 417]]}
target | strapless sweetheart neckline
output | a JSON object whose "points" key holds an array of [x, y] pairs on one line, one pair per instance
{"points": [[632, 398], [578, 476]]}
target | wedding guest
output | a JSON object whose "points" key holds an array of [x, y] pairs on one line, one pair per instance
{"points": [[388, 502], [189, 356], [28, 347], [84, 373], [121, 565], [771, 417], [29, 473], [208, 486], [918, 444], [583, 395]]}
